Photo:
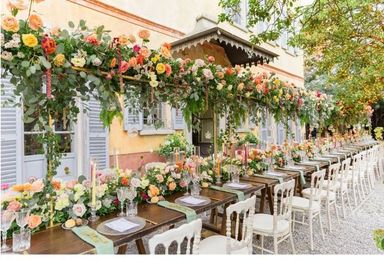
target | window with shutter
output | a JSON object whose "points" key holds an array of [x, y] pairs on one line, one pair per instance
{"points": [[280, 133], [251, 122], [11, 155], [97, 136], [133, 119], [178, 119], [298, 131]]}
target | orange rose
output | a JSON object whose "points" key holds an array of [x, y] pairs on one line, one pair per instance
{"points": [[167, 45], [113, 63], [123, 39], [35, 22], [10, 24], [144, 34], [153, 191], [56, 185], [34, 221], [18, 187], [132, 62], [48, 45], [124, 181], [220, 74], [165, 52], [172, 186], [27, 187]]}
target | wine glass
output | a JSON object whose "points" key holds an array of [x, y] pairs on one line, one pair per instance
{"points": [[7, 217], [131, 195], [187, 178], [121, 196], [22, 218]]}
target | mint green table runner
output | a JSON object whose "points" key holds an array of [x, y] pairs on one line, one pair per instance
{"points": [[190, 214], [329, 161], [293, 169], [311, 163], [240, 194], [103, 245], [265, 175]]}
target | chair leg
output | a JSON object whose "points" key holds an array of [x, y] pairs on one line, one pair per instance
{"points": [[292, 245], [275, 244], [354, 193], [342, 201], [321, 226], [294, 219], [328, 216], [337, 214], [349, 200], [262, 244], [310, 230]]}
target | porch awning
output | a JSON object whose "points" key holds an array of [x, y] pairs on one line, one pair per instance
{"points": [[239, 51]]}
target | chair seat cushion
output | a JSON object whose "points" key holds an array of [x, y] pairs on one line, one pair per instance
{"points": [[217, 245], [323, 194], [263, 223], [337, 185], [303, 204]]}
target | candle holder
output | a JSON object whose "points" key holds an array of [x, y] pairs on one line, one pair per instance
{"points": [[93, 217]]}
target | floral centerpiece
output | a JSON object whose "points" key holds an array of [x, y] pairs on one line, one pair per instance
{"points": [[207, 176], [257, 161], [308, 148], [296, 149], [173, 141], [279, 158]]}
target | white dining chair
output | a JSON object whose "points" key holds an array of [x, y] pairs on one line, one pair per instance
{"points": [[310, 207], [187, 231], [240, 242], [354, 181], [343, 188], [277, 225]]}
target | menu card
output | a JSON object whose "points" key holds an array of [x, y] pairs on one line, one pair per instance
{"points": [[192, 200], [237, 185], [121, 225]]}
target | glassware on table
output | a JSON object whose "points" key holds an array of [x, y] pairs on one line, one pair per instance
{"points": [[21, 240], [7, 217], [187, 178], [195, 190], [132, 205], [22, 218], [234, 173], [121, 196]]}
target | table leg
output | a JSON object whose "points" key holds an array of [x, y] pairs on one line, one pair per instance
{"points": [[140, 246], [300, 185], [270, 199], [122, 249], [224, 220], [262, 200], [213, 215]]}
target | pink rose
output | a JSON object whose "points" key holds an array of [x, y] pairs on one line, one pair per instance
{"points": [[79, 209], [14, 205], [124, 66], [4, 186], [37, 186], [136, 48], [183, 184], [159, 178], [207, 74], [87, 183], [71, 184]]}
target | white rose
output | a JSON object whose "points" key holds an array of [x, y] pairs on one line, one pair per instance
{"points": [[219, 86], [96, 62], [229, 87], [5, 55], [144, 183], [79, 209], [78, 61], [107, 202], [135, 182]]}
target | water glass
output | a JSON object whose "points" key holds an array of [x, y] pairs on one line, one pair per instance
{"points": [[21, 240], [121, 196], [132, 209], [195, 191], [22, 218], [7, 217]]}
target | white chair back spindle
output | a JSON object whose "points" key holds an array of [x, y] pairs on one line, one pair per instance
{"points": [[317, 182], [283, 192], [188, 231]]}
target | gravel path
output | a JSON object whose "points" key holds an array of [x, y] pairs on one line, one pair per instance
{"points": [[352, 236]]}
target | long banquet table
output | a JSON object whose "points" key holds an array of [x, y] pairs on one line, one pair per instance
{"points": [[56, 240]]}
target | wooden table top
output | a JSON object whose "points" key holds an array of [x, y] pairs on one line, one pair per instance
{"points": [[56, 240]]}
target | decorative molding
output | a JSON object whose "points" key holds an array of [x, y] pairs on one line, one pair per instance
{"points": [[281, 72], [128, 17]]}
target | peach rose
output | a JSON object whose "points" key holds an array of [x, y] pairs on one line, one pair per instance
{"points": [[144, 34], [35, 22], [145, 52], [172, 186], [154, 199], [132, 62], [159, 178], [37, 186], [153, 191], [113, 63], [10, 24], [71, 184], [17, 4], [34, 221], [14, 205], [55, 31], [165, 52], [56, 185]]}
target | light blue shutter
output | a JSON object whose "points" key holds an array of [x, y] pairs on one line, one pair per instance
{"points": [[298, 131], [97, 136], [178, 119], [264, 130], [133, 119], [11, 154]]}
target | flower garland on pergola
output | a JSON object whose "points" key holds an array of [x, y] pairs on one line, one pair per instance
{"points": [[53, 70]]}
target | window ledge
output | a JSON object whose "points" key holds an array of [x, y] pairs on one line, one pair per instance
{"points": [[160, 131], [243, 130]]}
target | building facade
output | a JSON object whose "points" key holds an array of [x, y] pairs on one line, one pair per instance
{"points": [[135, 139]]}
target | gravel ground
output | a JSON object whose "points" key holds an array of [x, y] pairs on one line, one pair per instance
{"points": [[352, 236]]}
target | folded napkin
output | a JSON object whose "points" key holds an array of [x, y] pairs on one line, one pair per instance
{"points": [[270, 177], [311, 163], [190, 214], [240, 194], [102, 244], [321, 159], [296, 169]]}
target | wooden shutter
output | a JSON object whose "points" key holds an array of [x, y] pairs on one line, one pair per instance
{"points": [[11, 153], [97, 136], [178, 119]]}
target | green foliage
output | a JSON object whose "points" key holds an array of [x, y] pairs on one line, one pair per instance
{"points": [[249, 138], [173, 141]]}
